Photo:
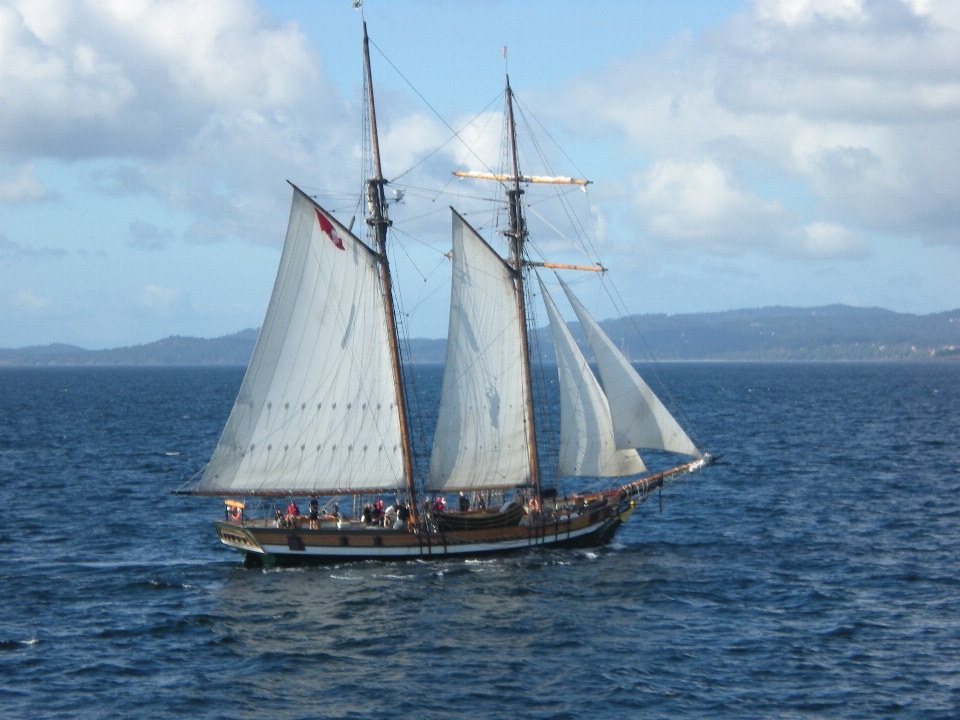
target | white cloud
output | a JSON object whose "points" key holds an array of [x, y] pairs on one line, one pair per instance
{"points": [[696, 203], [24, 188], [793, 12], [205, 104], [408, 140], [30, 302], [163, 300], [136, 77], [419, 142], [854, 105], [480, 143], [822, 240]]}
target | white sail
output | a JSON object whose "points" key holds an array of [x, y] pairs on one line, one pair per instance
{"points": [[317, 410], [587, 444], [481, 437], [640, 420]]}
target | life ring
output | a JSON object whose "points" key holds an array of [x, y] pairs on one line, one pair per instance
{"points": [[235, 513]]}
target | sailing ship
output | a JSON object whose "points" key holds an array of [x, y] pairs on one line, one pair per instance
{"points": [[323, 408]]}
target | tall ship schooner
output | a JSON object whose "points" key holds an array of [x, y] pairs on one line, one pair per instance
{"points": [[323, 409]]}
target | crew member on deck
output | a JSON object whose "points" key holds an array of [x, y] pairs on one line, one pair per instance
{"points": [[389, 516], [292, 509], [403, 516], [314, 514], [463, 503]]}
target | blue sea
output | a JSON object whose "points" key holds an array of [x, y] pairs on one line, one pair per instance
{"points": [[813, 573]]}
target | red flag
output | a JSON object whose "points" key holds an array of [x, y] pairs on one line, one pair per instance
{"points": [[326, 227]]}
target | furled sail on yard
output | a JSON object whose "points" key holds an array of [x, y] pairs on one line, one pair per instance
{"points": [[481, 439], [640, 420], [317, 410], [587, 444]]}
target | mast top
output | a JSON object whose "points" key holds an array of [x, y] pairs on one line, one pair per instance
{"points": [[375, 141], [516, 177]]}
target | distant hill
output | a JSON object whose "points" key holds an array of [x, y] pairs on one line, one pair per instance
{"points": [[175, 350], [833, 332]]}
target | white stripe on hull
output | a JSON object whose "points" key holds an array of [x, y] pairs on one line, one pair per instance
{"points": [[425, 550]]}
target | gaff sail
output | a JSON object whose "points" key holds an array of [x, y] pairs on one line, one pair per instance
{"points": [[317, 409], [481, 437]]}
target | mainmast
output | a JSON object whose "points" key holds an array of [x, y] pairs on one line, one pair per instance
{"points": [[379, 222], [517, 235]]}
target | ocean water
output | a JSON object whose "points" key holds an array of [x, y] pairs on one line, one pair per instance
{"points": [[814, 572]]}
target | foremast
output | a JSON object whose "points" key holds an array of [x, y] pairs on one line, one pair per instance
{"points": [[379, 222]]}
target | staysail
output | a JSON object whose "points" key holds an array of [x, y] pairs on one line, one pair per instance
{"points": [[317, 409], [640, 420], [481, 439], [587, 444]]}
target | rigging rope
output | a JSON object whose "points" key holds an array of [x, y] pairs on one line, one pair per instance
{"points": [[620, 306], [445, 142], [410, 384], [426, 102], [557, 231], [563, 199], [545, 424], [585, 238]]}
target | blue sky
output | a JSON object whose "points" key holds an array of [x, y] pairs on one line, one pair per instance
{"points": [[743, 154]]}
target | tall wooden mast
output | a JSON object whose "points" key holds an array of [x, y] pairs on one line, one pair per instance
{"points": [[518, 234], [379, 222]]}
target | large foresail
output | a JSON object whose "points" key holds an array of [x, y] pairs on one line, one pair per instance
{"points": [[481, 438], [587, 444], [317, 409], [640, 420]]}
